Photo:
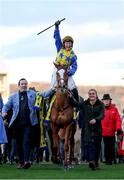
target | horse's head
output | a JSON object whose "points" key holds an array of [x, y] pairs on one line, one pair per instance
{"points": [[62, 77]]}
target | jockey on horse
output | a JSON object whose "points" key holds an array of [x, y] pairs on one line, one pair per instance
{"points": [[65, 56]]}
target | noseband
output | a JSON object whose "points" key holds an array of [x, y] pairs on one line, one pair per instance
{"points": [[61, 81]]}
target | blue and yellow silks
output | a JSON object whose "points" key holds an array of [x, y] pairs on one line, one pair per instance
{"points": [[47, 118], [42, 137], [75, 114], [38, 101], [64, 57]]}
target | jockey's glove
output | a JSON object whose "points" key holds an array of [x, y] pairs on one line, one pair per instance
{"points": [[57, 23]]}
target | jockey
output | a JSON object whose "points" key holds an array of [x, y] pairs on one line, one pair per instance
{"points": [[65, 56]]}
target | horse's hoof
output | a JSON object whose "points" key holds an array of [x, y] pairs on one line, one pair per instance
{"points": [[71, 167], [66, 167], [60, 164]]}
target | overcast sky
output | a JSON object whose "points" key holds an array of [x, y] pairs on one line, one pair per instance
{"points": [[97, 27]]}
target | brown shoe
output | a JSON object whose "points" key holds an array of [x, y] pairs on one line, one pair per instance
{"points": [[26, 166], [92, 165]]}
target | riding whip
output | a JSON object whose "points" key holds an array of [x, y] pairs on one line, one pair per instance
{"points": [[50, 26]]}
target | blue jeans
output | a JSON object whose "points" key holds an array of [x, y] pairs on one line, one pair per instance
{"points": [[13, 152], [23, 139]]}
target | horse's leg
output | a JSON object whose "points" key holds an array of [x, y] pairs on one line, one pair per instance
{"points": [[55, 146], [66, 145], [71, 157]]}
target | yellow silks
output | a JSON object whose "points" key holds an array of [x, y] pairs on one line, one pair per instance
{"points": [[47, 118], [64, 57], [75, 114], [38, 101], [39, 105], [42, 138]]}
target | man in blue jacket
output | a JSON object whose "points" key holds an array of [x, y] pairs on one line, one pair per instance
{"points": [[23, 118]]}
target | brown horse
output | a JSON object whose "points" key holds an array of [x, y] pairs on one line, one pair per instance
{"points": [[62, 117]]}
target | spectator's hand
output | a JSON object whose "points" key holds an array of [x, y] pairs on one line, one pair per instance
{"points": [[57, 23], [92, 121], [5, 123]]}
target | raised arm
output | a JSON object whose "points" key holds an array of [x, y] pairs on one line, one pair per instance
{"points": [[57, 37]]}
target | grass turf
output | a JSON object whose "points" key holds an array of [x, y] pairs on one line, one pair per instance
{"points": [[50, 171]]}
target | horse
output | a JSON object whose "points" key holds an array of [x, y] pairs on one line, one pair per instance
{"points": [[62, 117]]}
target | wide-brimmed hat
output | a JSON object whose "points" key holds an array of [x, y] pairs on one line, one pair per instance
{"points": [[106, 96]]}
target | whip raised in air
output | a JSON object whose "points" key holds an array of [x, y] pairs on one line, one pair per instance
{"points": [[50, 26]]}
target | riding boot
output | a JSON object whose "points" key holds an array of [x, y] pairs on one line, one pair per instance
{"points": [[75, 94], [74, 100]]}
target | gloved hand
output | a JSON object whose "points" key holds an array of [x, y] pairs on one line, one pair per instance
{"points": [[57, 23], [119, 132]]}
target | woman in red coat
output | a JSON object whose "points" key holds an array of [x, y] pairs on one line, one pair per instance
{"points": [[111, 123]]}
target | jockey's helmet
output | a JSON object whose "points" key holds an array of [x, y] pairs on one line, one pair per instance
{"points": [[67, 38]]}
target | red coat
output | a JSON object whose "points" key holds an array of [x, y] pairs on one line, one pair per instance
{"points": [[111, 121]]}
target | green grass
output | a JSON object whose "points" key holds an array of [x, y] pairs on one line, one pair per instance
{"points": [[50, 171]]}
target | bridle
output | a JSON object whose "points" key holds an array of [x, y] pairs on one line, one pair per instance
{"points": [[62, 83]]}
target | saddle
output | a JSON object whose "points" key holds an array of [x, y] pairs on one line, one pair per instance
{"points": [[47, 118]]}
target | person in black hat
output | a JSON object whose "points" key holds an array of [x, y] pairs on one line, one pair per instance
{"points": [[107, 97], [111, 123]]}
